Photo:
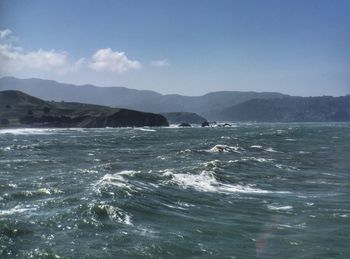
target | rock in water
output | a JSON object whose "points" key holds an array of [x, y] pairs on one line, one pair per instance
{"points": [[205, 124], [185, 124]]}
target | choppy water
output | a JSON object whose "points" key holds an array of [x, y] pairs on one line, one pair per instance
{"points": [[251, 191]]}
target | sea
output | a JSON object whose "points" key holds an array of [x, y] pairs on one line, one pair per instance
{"points": [[252, 190]]}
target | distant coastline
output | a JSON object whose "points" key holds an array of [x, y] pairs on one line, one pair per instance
{"points": [[231, 106]]}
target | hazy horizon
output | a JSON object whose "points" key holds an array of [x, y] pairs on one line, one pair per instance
{"points": [[181, 47]]}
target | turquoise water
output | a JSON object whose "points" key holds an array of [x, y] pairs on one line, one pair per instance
{"points": [[249, 191]]}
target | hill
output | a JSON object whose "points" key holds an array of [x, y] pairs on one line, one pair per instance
{"points": [[208, 105], [18, 109], [290, 109]]}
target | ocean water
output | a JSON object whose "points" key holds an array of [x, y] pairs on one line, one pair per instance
{"points": [[249, 191]]}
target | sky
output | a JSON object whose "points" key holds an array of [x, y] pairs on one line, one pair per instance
{"points": [[189, 47]]}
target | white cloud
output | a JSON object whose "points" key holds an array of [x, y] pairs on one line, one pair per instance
{"points": [[13, 59], [160, 63], [17, 62], [113, 61], [5, 33]]}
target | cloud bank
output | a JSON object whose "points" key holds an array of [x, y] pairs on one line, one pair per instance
{"points": [[14, 59]]}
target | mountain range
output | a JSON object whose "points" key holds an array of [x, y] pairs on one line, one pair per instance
{"points": [[208, 105], [221, 105]]}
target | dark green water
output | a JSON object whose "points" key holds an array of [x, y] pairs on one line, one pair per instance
{"points": [[251, 191]]}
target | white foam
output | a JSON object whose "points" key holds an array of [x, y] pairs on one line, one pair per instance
{"points": [[224, 148], [291, 139], [303, 152], [206, 182], [39, 131], [16, 209], [213, 164], [270, 149], [146, 129], [115, 180], [257, 159], [272, 207], [261, 159], [5, 148], [119, 180], [256, 146], [27, 131]]}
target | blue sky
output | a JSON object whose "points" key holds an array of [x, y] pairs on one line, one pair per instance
{"points": [[188, 47]]}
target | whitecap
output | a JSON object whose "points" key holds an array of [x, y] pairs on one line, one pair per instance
{"points": [[224, 148], [115, 180], [38, 192], [118, 180], [212, 164], [270, 149], [261, 159], [303, 152], [27, 131], [257, 159], [291, 139], [206, 182], [5, 148], [256, 146], [272, 207], [146, 129], [16, 209]]}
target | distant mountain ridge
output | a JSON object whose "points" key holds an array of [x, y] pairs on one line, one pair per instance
{"points": [[144, 100], [290, 109], [215, 106]]}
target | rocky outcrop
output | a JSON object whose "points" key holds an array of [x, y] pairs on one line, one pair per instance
{"points": [[18, 109], [184, 124], [205, 124]]}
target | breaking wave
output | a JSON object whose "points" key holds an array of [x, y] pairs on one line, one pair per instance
{"points": [[206, 182]]}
